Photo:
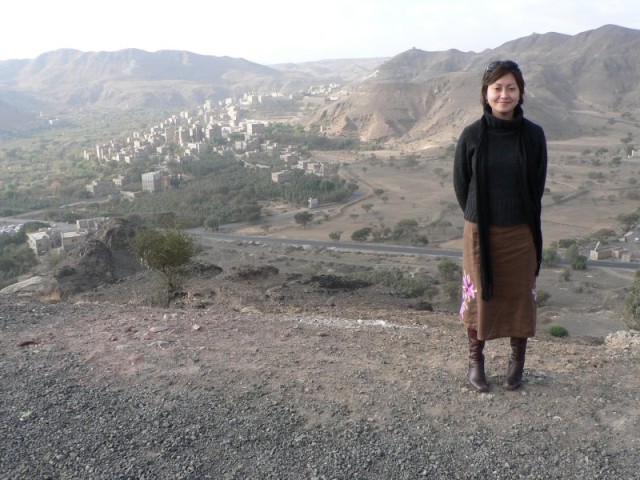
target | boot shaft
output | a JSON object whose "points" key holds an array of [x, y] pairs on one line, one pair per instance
{"points": [[476, 346], [477, 376], [515, 371], [518, 349]]}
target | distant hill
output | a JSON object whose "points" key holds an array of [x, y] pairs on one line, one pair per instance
{"points": [[577, 86], [70, 79], [66, 80]]}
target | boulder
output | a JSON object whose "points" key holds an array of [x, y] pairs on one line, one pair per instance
{"points": [[38, 286]]}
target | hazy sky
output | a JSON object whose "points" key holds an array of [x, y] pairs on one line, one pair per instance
{"points": [[278, 31]]}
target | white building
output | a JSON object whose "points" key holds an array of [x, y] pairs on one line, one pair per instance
{"points": [[151, 181]]}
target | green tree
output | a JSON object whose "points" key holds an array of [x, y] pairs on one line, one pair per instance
{"points": [[361, 235], [604, 234], [166, 252], [566, 242], [579, 263], [543, 297], [335, 236], [404, 226], [213, 223], [367, 207], [420, 240], [572, 253], [302, 218], [452, 291]]}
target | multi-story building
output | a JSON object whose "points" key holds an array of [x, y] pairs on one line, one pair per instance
{"points": [[151, 181]]}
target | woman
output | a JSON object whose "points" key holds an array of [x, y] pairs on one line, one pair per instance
{"points": [[500, 170]]}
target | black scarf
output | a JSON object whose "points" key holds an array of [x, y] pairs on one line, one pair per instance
{"points": [[528, 189]]}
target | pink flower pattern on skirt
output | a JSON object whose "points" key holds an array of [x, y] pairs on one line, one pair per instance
{"points": [[468, 292]]}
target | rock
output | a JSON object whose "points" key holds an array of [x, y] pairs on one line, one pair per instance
{"points": [[623, 339], [90, 266], [115, 233], [38, 286], [204, 269], [158, 329]]}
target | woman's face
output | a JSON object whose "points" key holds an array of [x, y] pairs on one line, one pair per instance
{"points": [[503, 97]]}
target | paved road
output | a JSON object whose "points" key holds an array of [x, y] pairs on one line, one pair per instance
{"points": [[363, 247], [376, 247]]}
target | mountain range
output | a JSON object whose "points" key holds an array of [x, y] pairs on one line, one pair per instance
{"points": [[576, 85]]}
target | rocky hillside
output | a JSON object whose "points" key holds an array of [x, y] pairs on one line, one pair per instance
{"points": [[575, 85]]}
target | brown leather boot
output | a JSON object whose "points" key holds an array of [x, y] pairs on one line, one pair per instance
{"points": [[513, 380], [476, 362]]}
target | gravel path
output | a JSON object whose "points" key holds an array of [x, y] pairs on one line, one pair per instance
{"points": [[102, 392]]}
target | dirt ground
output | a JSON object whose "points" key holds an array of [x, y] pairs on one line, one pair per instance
{"points": [[335, 360]]}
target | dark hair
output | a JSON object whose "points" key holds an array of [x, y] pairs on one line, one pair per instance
{"points": [[495, 71]]}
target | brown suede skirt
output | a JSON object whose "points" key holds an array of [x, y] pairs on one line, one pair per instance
{"points": [[512, 310]]}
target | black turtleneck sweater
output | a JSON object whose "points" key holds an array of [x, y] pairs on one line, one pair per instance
{"points": [[501, 166], [505, 199]]}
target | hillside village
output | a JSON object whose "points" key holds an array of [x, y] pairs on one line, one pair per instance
{"points": [[212, 128]]}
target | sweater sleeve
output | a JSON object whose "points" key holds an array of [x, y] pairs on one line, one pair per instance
{"points": [[542, 166], [462, 169]]}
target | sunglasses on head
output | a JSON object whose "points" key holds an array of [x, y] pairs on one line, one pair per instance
{"points": [[513, 66]]}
